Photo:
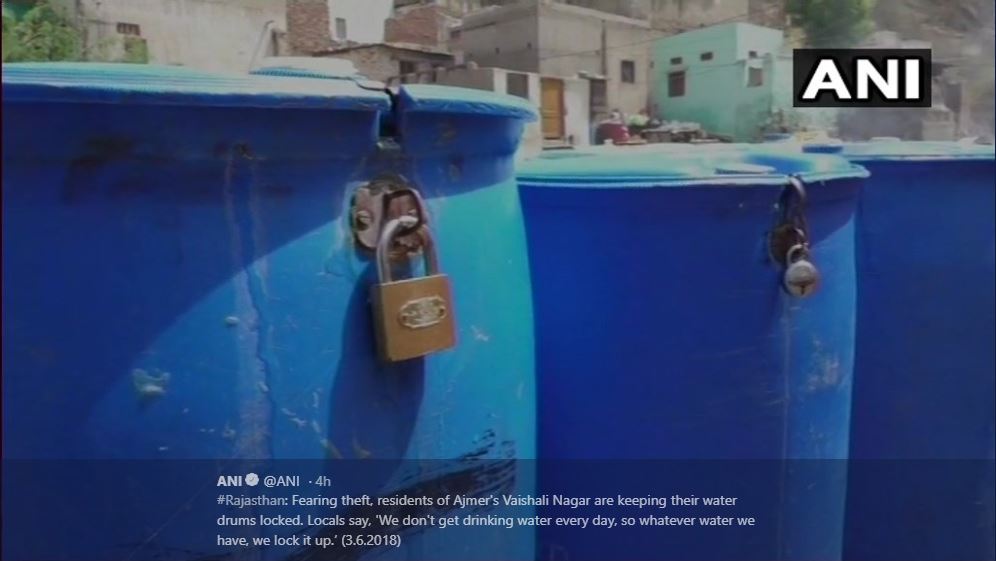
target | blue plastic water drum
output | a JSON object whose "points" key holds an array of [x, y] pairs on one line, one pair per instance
{"points": [[181, 283], [670, 360], [922, 483]]}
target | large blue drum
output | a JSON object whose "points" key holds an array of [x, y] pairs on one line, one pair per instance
{"points": [[671, 360], [922, 479], [182, 284]]}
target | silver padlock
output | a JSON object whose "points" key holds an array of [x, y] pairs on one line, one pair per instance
{"points": [[801, 278]]}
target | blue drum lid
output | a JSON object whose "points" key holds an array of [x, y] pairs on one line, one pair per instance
{"points": [[906, 150], [308, 67], [278, 84], [724, 166], [429, 98], [140, 84]]}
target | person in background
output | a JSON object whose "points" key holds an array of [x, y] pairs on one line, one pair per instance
{"points": [[612, 129]]}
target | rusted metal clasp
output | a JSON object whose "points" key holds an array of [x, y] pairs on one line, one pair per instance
{"points": [[792, 228], [789, 243], [386, 198]]}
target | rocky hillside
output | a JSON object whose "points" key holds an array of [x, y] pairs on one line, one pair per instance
{"points": [[956, 28], [961, 33]]}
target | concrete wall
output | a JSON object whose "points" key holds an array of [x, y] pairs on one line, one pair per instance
{"points": [[505, 37], [716, 90], [629, 42], [569, 43], [214, 35]]}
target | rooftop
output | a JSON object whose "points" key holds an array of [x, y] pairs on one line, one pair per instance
{"points": [[396, 45]]}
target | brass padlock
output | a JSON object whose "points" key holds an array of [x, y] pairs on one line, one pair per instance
{"points": [[412, 317], [802, 278]]}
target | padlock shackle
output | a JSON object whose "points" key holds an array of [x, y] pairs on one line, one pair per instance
{"points": [[419, 207], [391, 230], [795, 182], [796, 252]]}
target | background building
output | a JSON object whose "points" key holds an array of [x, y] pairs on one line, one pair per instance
{"points": [[213, 35], [425, 23], [529, 85], [559, 41], [390, 62], [315, 26], [734, 79], [706, 61]]}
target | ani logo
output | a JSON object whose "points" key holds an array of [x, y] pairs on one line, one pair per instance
{"points": [[862, 77]]}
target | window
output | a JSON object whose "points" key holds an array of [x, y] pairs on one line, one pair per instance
{"points": [[676, 60], [406, 67], [517, 84], [752, 54], [676, 84], [755, 77], [627, 71], [455, 34], [129, 29], [340, 28], [706, 56]]}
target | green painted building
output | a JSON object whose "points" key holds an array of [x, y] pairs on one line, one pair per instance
{"points": [[734, 79]]}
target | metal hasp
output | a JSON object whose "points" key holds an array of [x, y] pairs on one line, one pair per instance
{"points": [[412, 317], [384, 199], [789, 242]]}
